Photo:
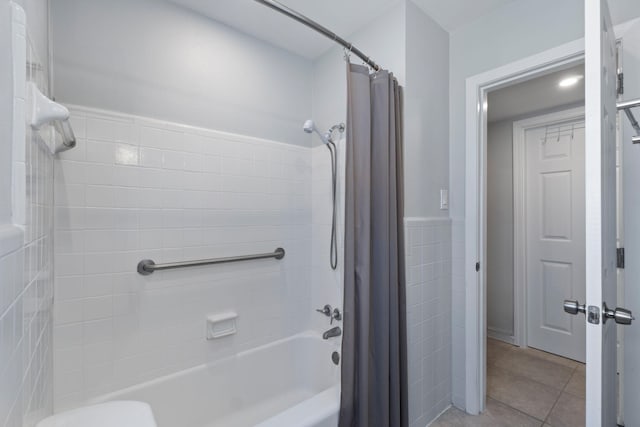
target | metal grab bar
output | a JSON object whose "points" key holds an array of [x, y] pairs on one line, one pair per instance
{"points": [[147, 266]]}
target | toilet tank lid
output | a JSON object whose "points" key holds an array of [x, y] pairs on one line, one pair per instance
{"points": [[109, 414]]}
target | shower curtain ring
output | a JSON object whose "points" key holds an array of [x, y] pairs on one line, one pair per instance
{"points": [[347, 54]]}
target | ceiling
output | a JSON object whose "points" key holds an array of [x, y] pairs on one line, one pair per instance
{"points": [[542, 93], [340, 16], [344, 17], [452, 14]]}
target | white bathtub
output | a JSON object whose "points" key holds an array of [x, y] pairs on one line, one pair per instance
{"points": [[291, 382]]}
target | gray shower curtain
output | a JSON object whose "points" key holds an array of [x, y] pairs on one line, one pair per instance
{"points": [[374, 346]]}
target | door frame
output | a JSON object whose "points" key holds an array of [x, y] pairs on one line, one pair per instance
{"points": [[520, 212], [477, 88]]}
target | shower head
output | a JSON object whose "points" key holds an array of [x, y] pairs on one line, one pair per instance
{"points": [[310, 127]]}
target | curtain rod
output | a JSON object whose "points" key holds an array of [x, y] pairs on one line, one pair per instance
{"points": [[273, 4]]}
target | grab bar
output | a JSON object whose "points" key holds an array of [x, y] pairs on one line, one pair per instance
{"points": [[148, 266]]}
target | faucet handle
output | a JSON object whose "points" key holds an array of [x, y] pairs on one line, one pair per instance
{"points": [[335, 315], [326, 310]]}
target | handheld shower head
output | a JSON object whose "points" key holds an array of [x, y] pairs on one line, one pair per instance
{"points": [[327, 138], [310, 127]]}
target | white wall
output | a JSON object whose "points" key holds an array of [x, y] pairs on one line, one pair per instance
{"points": [[136, 188], [383, 39], [155, 59], [411, 45], [500, 283], [26, 282], [426, 114], [514, 31]]}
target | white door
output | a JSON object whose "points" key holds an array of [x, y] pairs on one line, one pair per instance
{"points": [[631, 229], [555, 236], [600, 211]]}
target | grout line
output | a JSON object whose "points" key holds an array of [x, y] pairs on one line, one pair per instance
{"points": [[546, 421], [561, 391], [518, 374], [518, 410]]}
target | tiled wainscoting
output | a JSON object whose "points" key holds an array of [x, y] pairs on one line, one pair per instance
{"points": [[26, 281], [428, 252], [137, 188], [458, 375]]}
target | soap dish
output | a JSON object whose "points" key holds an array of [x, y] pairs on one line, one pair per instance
{"points": [[221, 325]]}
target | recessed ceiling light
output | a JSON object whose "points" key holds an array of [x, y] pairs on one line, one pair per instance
{"points": [[569, 81]]}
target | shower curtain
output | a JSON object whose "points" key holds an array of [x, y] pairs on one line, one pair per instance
{"points": [[374, 347]]}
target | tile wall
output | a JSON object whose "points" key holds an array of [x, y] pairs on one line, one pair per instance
{"points": [[326, 283], [26, 281], [458, 321], [137, 188], [428, 252]]}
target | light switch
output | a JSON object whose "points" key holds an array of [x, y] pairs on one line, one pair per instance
{"points": [[444, 199]]}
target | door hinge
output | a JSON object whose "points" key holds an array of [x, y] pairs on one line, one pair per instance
{"points": [[620, 257], [477, 266], [620, 82]]}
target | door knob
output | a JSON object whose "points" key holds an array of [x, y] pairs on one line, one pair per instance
{"points": [[622, 316], [573, 307]]}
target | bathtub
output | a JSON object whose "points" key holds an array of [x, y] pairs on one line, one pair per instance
{"points": [[290, 382]]}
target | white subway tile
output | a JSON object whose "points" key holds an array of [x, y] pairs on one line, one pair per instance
{"points": [[189, 193], [95, 308], [100, 196], [67, 335], [100, 129], [69, 287], [67, 360], [150, 157], [100, 152], [97, 218], [69, 311], [173, 160]]}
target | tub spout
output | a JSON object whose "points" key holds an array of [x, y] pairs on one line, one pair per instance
{"points": [[333, 332]]}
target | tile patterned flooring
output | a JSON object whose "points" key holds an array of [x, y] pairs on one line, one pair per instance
{"points": [[526, 387]]}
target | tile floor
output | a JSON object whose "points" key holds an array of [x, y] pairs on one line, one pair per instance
{"points": [[526, 387]]}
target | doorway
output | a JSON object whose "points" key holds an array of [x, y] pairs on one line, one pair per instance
{"points": [[535, 247], [549, 227], [535, 187], [601, 392]]}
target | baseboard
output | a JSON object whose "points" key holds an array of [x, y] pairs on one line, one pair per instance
{"points": [[501, 336]]}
